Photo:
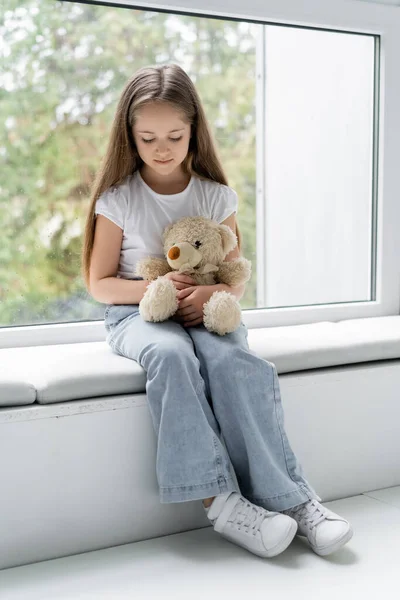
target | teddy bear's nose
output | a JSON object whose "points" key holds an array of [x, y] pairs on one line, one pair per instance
{"points": [[174, 253]]}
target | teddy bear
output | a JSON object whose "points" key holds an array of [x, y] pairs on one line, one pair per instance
{"points": [[195, 246]]}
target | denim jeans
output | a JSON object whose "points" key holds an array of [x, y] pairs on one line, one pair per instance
{"points": [[216, 410]]}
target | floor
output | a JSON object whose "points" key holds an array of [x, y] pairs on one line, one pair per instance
{"points": [[200, 564]]}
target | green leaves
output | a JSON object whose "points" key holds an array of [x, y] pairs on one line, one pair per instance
{"points": [[64, 67]]}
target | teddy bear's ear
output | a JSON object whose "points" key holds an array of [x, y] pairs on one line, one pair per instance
{"points": [[166, 231], [229, 239]]}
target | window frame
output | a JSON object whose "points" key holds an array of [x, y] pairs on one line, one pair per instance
{"points": [[362, 17]]}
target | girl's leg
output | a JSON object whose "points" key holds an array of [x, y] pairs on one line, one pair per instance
{"points": [[192, 463], [247, 404]]}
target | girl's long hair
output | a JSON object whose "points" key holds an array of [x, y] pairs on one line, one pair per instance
{"points": [[161, 83]]}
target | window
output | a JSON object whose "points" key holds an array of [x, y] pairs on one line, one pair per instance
{"points": [[66, 65], [295, 108], [317, 196]]}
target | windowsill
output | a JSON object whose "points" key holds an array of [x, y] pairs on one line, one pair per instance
{"points": [[64, 372], [94, 331]]}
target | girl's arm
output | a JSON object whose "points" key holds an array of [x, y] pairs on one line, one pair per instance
{"points": [[238, 290], [114, 290], [105, 287]]}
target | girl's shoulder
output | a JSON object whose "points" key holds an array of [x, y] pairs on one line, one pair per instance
{"points": [[121, 192], [218, 189], [125, 187], [217, 201], [114, 202]]}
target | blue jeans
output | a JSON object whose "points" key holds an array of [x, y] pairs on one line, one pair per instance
{"points": [[216, 410]]}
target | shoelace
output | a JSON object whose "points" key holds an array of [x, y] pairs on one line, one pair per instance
{"points": [[247, 515], [311, 513]]}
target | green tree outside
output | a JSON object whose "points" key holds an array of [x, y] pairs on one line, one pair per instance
{"points": [[64, 68]]}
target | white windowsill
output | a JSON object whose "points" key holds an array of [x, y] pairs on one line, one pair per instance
{"points": [[92, 331]]}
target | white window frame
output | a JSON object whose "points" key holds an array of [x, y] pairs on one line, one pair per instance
{"points": [[336, 15]]}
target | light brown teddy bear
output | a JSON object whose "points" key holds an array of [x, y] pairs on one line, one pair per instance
{"points": [[197, 247]]}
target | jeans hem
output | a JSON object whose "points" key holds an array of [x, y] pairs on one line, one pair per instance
{"points": [[198, 492], [285, 501]]}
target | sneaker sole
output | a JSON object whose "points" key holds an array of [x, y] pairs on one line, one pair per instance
{"points": [[336, 546]]}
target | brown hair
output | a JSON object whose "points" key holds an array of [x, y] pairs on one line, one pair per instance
{"points": [[161, 83]]}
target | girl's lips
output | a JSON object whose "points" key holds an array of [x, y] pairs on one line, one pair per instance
{"points": [[163, 162]]}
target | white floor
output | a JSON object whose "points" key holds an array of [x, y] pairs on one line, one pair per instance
{"points": [[200, 564]]}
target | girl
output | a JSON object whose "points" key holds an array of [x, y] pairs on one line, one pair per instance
{"points": [[215, 406]]}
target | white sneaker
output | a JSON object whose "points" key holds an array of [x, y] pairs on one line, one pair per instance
{"points": [[325, 530], [258, 530]]}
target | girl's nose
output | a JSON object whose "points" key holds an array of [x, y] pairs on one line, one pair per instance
{"points": [[162, 148]]}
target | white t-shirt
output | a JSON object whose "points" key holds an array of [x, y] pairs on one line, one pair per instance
{"points": [[143, 214]]}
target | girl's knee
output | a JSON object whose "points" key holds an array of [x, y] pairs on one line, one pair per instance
{"points": [[238, 362], [166, 353]]}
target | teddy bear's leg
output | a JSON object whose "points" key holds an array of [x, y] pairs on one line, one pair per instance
{"points": [[222, 313], [159, 302]]}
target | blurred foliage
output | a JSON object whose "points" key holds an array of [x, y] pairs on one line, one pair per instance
{"points": [[63, 68]]}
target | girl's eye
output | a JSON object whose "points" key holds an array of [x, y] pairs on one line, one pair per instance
{"points": [[197, 244], [171, 139]]}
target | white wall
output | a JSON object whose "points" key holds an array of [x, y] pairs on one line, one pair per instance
{"points": [[393, 2]]}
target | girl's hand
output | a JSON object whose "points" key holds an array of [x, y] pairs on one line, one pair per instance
{"points": [[180, 281], [191, 301]]}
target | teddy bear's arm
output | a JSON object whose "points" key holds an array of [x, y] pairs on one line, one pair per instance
{"points": [[234, 272], [151, 268]]}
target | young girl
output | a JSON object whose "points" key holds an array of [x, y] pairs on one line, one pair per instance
{"points": [[215, 406]]}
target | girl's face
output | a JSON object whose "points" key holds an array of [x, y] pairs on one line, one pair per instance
{"points": [[161, 136]]}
